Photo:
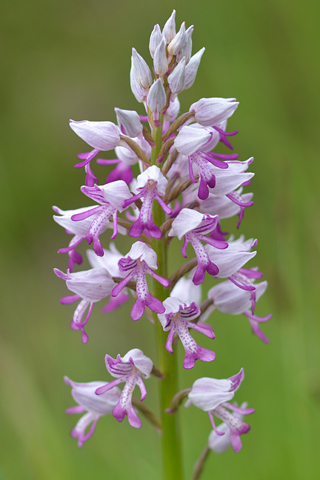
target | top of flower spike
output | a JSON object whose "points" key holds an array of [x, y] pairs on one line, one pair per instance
{"points": [[169, 30]]}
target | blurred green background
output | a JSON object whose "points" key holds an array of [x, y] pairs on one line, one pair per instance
{"points": [[71, 59]]}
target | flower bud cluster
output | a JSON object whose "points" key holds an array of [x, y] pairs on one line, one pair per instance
{"points": [[181, 174]]}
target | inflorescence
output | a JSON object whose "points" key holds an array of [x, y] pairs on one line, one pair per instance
{"points": [[196, 187]]}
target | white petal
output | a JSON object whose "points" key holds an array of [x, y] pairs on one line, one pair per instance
{"points": [[177, 43], [177, 78], [155, 39], [192, 68], [139, 92], [153, 173], [160, 61], [186, 221], [78, 228], [186, 50], [109, 261], [191, 138], [212, 111], [228, 298], [220, 443], [130, 121], [143, 363], [91, 285], [84, 395], [145, 253], [101, 135], [208, 393], [173, 110], [187, 291], [231, 258], [141, 70], [156, 99], [115, 193], [169, 30], [229, 179]]}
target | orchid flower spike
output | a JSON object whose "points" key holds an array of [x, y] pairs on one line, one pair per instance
{"points": [[129, 369], [168, 168], [94, 406], [213, 396]]}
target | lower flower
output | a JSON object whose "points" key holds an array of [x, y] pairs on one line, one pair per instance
{"points": [[91, 405]]}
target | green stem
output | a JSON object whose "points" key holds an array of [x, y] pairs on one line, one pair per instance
{"points": [[167, 362]]}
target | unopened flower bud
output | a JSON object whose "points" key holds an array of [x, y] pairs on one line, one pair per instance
{"points": [[177, 43], [169, 30], [155, 39], [160, 61], [173, 110], [130, 121], [176, 79], [187, 48], [157, 99], [139, 92], [141, 70], [192, 68]]}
